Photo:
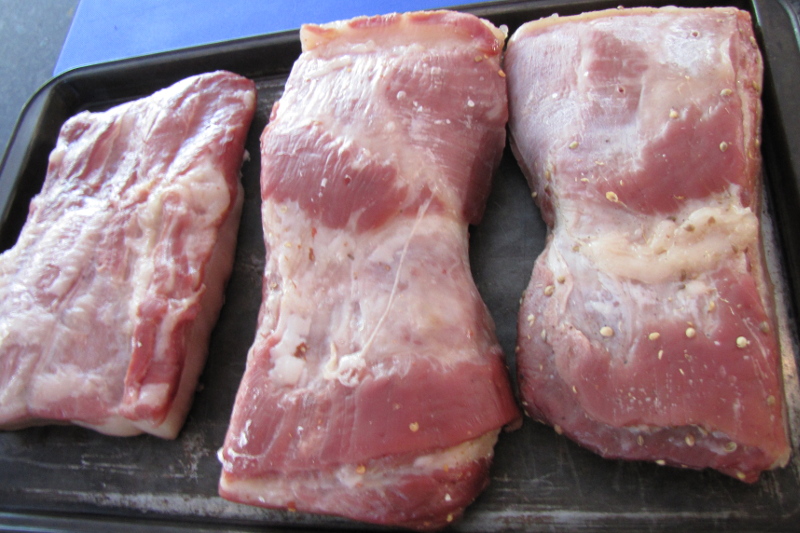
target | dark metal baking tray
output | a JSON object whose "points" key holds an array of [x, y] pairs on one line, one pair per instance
{"points": [[61, 478]]}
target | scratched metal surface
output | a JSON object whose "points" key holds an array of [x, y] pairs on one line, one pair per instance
{"points": [[70, 478]]}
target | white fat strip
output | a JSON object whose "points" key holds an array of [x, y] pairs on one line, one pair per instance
{"points": [[347, 368], [706, 236], [330, 65], [287, 367]]}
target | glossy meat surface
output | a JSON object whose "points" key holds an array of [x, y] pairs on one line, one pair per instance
{"points": [[648, 329], [110, 294], [375, 387]]}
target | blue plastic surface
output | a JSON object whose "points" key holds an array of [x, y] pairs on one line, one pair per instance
{"points": [[106, 30]]}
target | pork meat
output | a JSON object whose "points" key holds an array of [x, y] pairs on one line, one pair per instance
{"points": [[648, 328], [109, 296], [375, 388]]}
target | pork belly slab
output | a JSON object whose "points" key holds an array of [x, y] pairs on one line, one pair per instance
{"points": [[110, 294], [375, 388], [648, 328]]}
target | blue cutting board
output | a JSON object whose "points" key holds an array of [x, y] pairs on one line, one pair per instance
{"points": [[106, 30]]}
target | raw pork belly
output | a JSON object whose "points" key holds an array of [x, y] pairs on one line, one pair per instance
{"points": [[648, 328], [110, 294], [375, 388]]}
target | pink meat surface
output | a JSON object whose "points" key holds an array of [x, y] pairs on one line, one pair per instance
{"points": [[648, 329], [110, 294], [375, 388]]}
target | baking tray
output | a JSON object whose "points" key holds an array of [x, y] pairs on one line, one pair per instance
{"points": [[63, 478]]}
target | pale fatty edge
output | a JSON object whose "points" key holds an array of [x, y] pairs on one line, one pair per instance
{"points": [[787, 330]]}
